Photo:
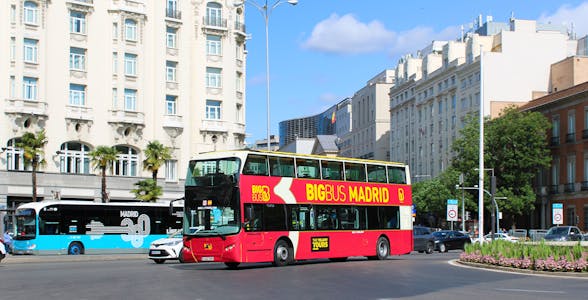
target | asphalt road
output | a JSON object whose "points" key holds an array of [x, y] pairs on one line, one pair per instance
{"points": [[415, 276]]}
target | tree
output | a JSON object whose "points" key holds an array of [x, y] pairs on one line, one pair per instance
{"points": [[32, 145], [102, 158], [147, 190], [515, 146], [155, 156]]}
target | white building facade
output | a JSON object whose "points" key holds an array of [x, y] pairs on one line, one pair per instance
{"points": [[118, 73], [436, 90]]}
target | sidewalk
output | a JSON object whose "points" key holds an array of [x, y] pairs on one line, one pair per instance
{"points": [[23, 259]]}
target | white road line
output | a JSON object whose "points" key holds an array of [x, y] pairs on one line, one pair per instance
{"points": [[531, 291]]}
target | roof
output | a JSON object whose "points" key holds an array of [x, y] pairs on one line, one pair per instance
{"points": [[327, 142], [576, 89]]}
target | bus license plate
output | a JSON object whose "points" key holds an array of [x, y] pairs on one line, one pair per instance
{"points": [[207, 258]]}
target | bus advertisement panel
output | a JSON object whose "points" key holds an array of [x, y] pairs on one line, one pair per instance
{"points": [[79, 227], [237, 211]]}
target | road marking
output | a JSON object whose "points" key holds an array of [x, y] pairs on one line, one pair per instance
{"points": [[531, 291]]}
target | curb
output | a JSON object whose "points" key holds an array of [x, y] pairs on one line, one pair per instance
{"points": [[24, 259], [580, 275]]}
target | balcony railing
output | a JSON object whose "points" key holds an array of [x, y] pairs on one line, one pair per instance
{"points": [[584, 186], [585, 134], [569, 188], [26, 107], [554, 141], [570, 137], [240, 27], [554, 189], [173, 13], [215, 22], [126, 117]]}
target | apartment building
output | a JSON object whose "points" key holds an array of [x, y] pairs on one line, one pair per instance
{"points": [[566, 181], [437, 88], [118, 73]]}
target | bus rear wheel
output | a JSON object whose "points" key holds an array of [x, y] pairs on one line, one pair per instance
{"points": [[382, 248], [75, 248], [283, 254]]}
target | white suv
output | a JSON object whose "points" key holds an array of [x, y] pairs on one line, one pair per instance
{"points": [[167, 248]]}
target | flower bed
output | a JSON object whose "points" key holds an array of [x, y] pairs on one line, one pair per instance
{"points": [[538, 257]]}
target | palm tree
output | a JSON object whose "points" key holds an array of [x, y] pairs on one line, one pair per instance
{"points": [[147, 190], [155, 156], [102, 158], [32, 146]]}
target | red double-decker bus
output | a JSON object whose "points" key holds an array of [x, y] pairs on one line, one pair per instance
{"points": [[258, 206]]}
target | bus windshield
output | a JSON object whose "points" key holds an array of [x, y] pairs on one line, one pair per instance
{"points": [[25, 224], [212, 197]]}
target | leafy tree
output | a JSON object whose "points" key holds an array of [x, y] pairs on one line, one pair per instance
{"points": [[102, 158], [32, 145], [147, 190], [155, 156], [515, 146]]}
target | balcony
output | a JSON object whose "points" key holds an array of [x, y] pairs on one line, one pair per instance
{"points": [[571, 137], [554, 141], [214, 24], [78, 113], [584, 186], [172, 121], [585, 134], [240, 28], [126, 117], [554, 189], [214, 126], [173, 13], [569, 188], [26, 107]]}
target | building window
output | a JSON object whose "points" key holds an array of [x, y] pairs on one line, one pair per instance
{"points": [[30, 11], [213, 45], [77, 59], [29, 88], [74, 158], [131, 30], [171, 170], [14, 156], [214, 14], [130, 64], [213, 77], [213, 110], [77, 22], [30, 50], [170, 70], [114, 98], [127, 161], [571, 136], [130, 100], [13, 14], [171, 10], [12, 87], [12, 48], [77, 94], [571, 168], [115, 31], [171, 37], [114, 62], [170, 104]]}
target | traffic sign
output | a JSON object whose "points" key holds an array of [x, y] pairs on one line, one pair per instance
{"points": [[557, 213], [452, 209]]}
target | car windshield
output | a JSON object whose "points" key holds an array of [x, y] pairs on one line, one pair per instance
{"points": [[558, 230], [25, 224]]}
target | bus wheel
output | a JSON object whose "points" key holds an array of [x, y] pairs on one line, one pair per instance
{"points": [[382, 248], [232, 265], [75, 248], [283, 254]]}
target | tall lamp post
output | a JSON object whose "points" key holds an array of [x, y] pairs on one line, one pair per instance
{"points": [[266, 11]]}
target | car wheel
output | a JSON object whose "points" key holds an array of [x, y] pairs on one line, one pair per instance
{"points": [[430, 248], [442, 248], [159, 261]]}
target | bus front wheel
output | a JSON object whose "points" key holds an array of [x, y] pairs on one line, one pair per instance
{"points": [[75, 248], [283, 254]]}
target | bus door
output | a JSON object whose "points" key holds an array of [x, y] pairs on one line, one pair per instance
{"points": [[254, 234]]}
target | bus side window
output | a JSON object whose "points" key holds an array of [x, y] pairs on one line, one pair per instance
{"points": [[354, 172], [396, 175], [307, 168], [332, 170], [281, 166], [376, 173], [255, 165]]}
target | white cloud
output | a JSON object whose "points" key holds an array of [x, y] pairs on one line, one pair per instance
{"points": [[347, 35], [329, 98], [566, 15]]}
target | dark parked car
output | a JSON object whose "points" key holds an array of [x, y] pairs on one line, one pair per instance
{"points": [[563, 234], [423, 239], [446, 240]]}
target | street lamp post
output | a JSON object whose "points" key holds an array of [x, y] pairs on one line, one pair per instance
{"points": [[266, 11]]}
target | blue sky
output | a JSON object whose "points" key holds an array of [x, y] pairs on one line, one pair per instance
{"points": [[322, 51]]}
